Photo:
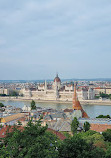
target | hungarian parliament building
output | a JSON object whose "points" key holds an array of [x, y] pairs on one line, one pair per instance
{"points": [[58, 91]]}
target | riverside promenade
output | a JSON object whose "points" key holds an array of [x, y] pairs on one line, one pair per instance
{"points": [[89, 102]]}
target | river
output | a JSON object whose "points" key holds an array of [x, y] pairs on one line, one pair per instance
{"points": [[91, 110]]}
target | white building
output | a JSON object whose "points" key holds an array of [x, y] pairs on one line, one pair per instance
{"points": [[26, 108], [58, 91]]}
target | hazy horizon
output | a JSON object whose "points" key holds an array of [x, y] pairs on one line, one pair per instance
{"points": [[63, 79], [40, 38]]}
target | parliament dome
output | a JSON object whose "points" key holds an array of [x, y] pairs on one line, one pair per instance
{"points": [[57, 79]]}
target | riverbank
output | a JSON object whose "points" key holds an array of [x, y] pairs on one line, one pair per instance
{"points": [[83, 102]]}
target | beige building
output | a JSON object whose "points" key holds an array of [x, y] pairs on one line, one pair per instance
{"points": [[108, 90], [105, 90], [4, 91], [57, 91]]}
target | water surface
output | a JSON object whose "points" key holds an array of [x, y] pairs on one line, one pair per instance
{"points": [[91, 110]]}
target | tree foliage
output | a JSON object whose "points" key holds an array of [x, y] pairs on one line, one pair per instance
{"points": [[76, 147], [107, 135], [103, 116], [103, 95], [14, 93], [19, 123], [33, 142], [33, 106], [74, 125], [93, 137], [108, 153], [1, 105], [36, 142], [86, 126]]}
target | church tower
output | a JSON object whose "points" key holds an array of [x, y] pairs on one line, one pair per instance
{"points": [[45, 85], [78, 110]]}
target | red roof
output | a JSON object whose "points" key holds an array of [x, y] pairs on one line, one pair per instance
{"points": [[68, 110], [10, 128], [84, 114], [58, 134], [97, 88], [100, 127], [77, 105]]}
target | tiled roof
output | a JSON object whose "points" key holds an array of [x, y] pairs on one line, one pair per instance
{"points": [[68, 110], [12, 117], [58, 134], [58, 115], [77, 105], [100, 127], [10, 128], [97, 88], [62, 125], [95, 120]]}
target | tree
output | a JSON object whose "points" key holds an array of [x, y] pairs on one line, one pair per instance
{"points": [[107, 135], [103, 116], [108, 153], [74, 125], [33, 106], [86, 126], [33, 141], [97, 153], [19, 123], [1, 105], [76, 147], [14, 93], [1, 125]]}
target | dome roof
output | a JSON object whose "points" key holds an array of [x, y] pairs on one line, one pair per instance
{"points": [[57, 79]]}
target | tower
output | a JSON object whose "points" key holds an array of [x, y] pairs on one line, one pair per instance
{"points": [[76, 103], [57, 82], [78, 110], [45, 85]]}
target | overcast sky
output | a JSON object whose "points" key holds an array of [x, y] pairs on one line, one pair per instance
{"points": [[41, 37]]}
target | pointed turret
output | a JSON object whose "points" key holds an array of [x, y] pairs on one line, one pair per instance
{"points": [[77, 105], [45, 85]]}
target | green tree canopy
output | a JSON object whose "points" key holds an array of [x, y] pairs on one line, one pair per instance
{"points": [[1, 105], [33, 106], [107, 135], [74, 125], [86, 126], [33, 142], [108, 153], [19, 123], [14, 93], [103, 116], [76, 147]]}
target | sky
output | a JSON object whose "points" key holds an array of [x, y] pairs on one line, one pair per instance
{"points": [[39, 38]]}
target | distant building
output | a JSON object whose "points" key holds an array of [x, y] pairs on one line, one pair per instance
{"points": [[4, 91], [77, 108], [57, 91], [105, 90], [97, 124], [26, 108], [11, 120]]}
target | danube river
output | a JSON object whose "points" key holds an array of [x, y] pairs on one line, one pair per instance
{"points": [[92, 110]]}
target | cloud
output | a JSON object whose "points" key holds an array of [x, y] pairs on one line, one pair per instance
{"points": [[55, 34], [2, 42]]}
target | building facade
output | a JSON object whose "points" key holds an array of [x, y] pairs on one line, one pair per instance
{"points": [[58, 91]]}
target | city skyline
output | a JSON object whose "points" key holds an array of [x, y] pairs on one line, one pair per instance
{"points": [[40, 38]]}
